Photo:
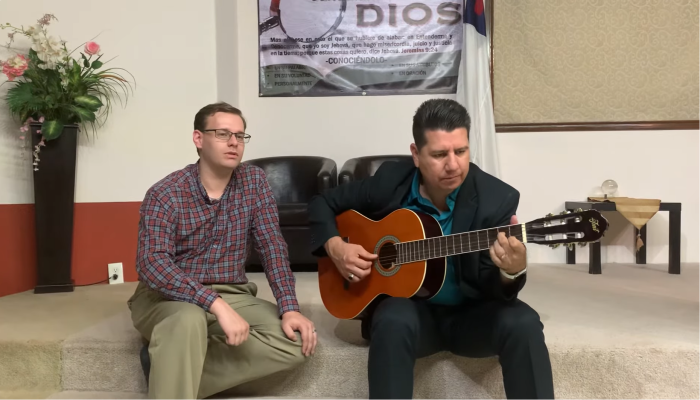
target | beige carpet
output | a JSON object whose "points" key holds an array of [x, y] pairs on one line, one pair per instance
{"points": [[27, 394], [73, 395], [631, 332]]}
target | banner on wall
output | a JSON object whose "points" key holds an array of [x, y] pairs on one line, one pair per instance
{"points": [[359, 47]]}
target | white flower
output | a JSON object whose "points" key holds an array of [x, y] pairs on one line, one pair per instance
{"points": [[49, 50]]}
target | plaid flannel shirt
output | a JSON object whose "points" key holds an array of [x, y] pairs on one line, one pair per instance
{"points": [[187, 240]]}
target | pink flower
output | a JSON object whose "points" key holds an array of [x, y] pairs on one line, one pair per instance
{"points": [[14, 67], [92, 48], [46, 19]]}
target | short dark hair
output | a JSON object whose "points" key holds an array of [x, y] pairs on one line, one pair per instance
{"points": [[442, 114], [200, 119]]}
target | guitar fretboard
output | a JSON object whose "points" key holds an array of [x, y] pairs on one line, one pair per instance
{"points": [[459, 243]]}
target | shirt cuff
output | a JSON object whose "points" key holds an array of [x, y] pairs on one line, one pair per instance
{"points": [[286, 306], [205, 297]]}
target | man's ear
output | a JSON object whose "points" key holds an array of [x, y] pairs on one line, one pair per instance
{"points": [[414, 153], [197, 138]]}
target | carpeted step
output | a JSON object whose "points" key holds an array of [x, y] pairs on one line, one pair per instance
{"points": [[30, 365], [34, 326], [26, 394], [607, 339], [72, 394]]}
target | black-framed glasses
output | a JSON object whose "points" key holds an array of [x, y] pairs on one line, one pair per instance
{"points": [[223, 134]]}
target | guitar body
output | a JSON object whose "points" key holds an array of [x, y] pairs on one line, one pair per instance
{"points": [[412, 253], [424, 279]]}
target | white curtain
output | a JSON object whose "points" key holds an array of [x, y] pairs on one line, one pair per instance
{"points": [[474, 92]]}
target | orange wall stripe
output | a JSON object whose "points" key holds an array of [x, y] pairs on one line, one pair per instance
{"points": [[103, 233], [17, 248]]}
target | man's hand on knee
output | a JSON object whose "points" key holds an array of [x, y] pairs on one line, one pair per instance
{"points": [[233, 325], [294, 321]]}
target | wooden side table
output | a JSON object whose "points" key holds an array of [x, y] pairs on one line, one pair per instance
{"points": [[674, 236]]}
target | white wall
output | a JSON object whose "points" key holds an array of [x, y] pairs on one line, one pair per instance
{"points": [[227, 61], [170, 49]]}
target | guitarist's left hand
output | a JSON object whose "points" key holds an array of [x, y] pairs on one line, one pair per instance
{"points": [[509, 253]]}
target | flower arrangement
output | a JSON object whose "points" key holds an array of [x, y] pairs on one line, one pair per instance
{"points": [[55, 88]]}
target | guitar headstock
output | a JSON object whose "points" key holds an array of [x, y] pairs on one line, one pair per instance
{"points": [[569, 228]]}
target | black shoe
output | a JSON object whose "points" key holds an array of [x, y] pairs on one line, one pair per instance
{"points": [[145, 362]]}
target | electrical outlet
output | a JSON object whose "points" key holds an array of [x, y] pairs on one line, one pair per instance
{"points": [[118, 269]]}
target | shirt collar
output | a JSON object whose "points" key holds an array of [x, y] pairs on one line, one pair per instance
{"points": [[194, 170], [415, 196]]}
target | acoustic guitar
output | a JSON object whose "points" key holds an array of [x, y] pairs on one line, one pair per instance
{"points": [[412, 253]]}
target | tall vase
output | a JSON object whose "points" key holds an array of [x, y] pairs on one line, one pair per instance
{"points": [[54, 196]]}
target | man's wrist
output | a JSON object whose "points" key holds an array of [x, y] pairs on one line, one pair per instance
{"points": [[217, 306], [290, 312], [331, 243]]}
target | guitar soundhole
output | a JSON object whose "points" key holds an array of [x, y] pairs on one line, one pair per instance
{"points": [[387, 256], [385, 263]]}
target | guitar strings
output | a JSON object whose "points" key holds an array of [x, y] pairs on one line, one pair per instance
{"points": [[480, 242], [425, 254], [422, 255]]}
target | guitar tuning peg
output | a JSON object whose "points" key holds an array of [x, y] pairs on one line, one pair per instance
{"points": [[582, 244], [570, 246], [554, 246], [562, 213], [550, 215]]}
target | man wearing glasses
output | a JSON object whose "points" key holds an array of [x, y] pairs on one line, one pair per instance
{"points": [[207, 330]]}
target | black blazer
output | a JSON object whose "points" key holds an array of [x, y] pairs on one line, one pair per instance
{"points": [[483, 202]]}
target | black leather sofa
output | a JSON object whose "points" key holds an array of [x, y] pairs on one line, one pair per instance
{"points": [[364, 167], [294, 181]]}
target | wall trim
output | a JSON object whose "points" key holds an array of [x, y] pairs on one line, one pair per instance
{"points": [[600, 126]]}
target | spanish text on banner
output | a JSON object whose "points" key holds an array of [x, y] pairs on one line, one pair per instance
{"points": [[359, 47]]}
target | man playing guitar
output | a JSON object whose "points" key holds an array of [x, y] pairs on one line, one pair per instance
{"points": [[476, 312]]}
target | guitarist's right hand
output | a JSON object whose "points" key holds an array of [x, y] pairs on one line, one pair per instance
{"points": [[352, 260]]}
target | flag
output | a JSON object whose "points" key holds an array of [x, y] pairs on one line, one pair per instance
{"points": [[474, 15], [474, 88]]}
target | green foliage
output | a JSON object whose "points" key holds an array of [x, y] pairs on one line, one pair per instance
{"points": [[67, 91], [51, 129]]}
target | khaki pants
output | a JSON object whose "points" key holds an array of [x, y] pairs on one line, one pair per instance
{"points": [[188, 350]]}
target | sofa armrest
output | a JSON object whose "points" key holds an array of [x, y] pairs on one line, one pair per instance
{"points": [[348, 172], [327, 177]]}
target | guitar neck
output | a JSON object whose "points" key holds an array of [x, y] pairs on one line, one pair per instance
{"points": [[459, 243]]}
